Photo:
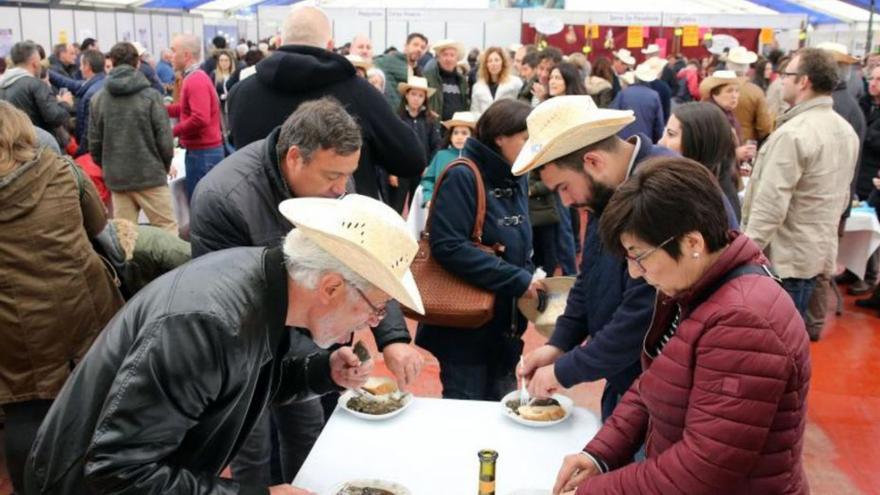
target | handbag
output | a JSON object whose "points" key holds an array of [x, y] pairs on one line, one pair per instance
{"points": [[448, 299]]}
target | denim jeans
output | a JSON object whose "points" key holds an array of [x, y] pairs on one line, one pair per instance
{"points": [[476, 381], [198, 163], [800, 290]]}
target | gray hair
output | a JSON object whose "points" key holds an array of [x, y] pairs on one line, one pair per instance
{"points": [[306, 262], [320, 124], [22, 52], [740, 69], [375, 71], [307, 25]]}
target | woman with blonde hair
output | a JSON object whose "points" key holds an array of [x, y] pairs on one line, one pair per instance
{"points": [[58, 294], [494, 80]]}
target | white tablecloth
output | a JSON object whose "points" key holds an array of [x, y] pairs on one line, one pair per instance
{"points": [[860, 239], [431, 448]]}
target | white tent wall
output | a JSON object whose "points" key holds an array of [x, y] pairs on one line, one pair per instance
{"points": [[854, 36]]}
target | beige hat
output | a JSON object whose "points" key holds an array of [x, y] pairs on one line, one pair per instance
{"points": [[741, 55], [564, 124], [625, 56], [651, 49], [364, 234], [415, 82], [358, 61], [840, 52], [139, 47], [646, 72], [468, 119], [441, 45], [718, 78], [557, 295], [629, 77]]}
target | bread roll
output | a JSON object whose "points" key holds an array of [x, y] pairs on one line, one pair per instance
{"points": [[541, 413], [377, 385]]}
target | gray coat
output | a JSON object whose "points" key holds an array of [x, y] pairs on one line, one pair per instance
{"points": [[33, 97], [129, 132]]}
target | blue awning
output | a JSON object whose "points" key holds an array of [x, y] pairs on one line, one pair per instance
{"points": [[174, 4], [785, 7]]}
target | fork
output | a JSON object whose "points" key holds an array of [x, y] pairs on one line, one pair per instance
{"points": [[523, 393]]}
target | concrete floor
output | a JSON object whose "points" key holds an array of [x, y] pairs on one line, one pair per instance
{"points": [[844, 404]]}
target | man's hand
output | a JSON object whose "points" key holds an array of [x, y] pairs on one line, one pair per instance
{"points": [[542, 356], [575, 469], [393, 181], [543, 382], [288, 490], [532, 291], [405, 361], [538, 90], [347, 370], [172, 171], [66, 97]]}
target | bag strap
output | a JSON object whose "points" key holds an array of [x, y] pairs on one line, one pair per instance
{"points": [[747, 269], [480, 217]]}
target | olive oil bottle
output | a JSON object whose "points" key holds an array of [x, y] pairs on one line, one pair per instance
{"points": [[487, 471]]}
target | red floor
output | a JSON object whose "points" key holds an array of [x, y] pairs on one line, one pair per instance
{"points": [[844, 404]]}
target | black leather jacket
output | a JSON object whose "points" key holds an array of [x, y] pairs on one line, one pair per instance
{"points": [[175, 383]]}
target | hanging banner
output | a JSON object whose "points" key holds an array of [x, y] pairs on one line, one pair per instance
{"points": [[766, 36], [635, 37], [690, 36], [662, 43], [62, 36], [591, 31]]}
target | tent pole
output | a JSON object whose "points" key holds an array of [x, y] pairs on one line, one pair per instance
{"points": [[870, 29]]}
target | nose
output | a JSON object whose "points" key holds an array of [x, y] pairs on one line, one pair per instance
{"points": [[338, 187], [633, 269], [566, 199]]}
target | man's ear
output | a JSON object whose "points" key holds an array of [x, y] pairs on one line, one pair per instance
{"points": [[330, 287], [594, 163]]}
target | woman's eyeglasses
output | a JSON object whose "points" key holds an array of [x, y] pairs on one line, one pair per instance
{"points": [[638, 259]]}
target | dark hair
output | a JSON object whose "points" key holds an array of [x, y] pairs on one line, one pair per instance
{"points": [[390, 49], [531, 59], [252, 57], [447, 135], [758, 79], [505, 117], [706, 136], [2, 65], [94, 59], [124, 53], [410, 37], [574, 84], [87, 44], [319, 125], [430, 117], [667, 197], [575, 159], [819, 67], [40, 50], [552, 53], [58, 49], [22, 51], [603, 68], [219, 42]]}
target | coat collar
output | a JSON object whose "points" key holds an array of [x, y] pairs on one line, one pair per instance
{"points": [[495, 169], [275, 274], [813, 103], [272, 164]]}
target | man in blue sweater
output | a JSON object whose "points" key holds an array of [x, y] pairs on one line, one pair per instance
{"points": [[92, 69]]}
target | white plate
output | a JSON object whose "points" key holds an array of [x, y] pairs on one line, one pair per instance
{"points": [[564, 402], [343, 403], [391, 486]]}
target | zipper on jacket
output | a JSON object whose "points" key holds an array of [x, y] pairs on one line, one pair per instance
{"points": [[651, 325]]}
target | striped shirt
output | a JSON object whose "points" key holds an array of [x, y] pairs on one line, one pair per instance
{"points": [[667, 335]]}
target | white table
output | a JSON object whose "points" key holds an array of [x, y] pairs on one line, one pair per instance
{"points": [[431, 448], [860, 239]]}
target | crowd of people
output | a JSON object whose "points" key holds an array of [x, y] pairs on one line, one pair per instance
{"points": [[136, 351]]}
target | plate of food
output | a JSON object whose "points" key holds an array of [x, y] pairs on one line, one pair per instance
{"points": [[370, 487], [539, 412], [378, 399]]}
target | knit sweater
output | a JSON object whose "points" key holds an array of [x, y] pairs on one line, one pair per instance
{"points": [[199, 113]]}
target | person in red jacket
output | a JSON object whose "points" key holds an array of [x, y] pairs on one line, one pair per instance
{"points": [[721, 404], [197, 111]]}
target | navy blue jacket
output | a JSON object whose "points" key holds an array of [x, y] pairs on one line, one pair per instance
{"points": [[83, 91], [507, 222], [645, 102], [150, 73], [665, 94]]}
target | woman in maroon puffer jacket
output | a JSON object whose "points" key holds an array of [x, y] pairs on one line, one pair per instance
{"points": [[721, 404]]}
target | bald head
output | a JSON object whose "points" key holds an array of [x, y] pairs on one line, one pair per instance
{"points": [[362, 46], [186, 50], [307, 25]]}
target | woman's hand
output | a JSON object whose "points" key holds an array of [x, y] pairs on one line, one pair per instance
{"points": [[534, 287], [575, 469], [746, 152], [538, 90], [393, 181]]}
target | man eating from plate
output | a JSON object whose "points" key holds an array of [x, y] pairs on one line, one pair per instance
{"points": [[174, 384]]}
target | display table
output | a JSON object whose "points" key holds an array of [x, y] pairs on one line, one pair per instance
{"points": [[431, 448], [860, 239]]}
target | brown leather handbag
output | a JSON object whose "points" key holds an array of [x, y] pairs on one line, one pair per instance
{"points": [[449, 301]]}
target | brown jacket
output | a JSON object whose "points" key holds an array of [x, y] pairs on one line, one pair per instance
{"points": [[55, 292], [752, 112]]}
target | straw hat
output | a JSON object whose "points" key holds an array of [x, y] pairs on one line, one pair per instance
{"points": [[557, 295], [646, 72], [625, 56], [441, 45], [718, 78], [138, 47], [651, 49], [564, 124], [467, 119], [415, 82], [364, 234], [629, 77], [358, 61], [840, 52], [741, 55]]}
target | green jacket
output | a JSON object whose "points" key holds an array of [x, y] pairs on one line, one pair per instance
{"points": [[396, 70], [435, 102], [438, 164]]}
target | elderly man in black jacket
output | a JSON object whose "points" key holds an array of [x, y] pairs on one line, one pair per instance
{"points": [[305, 69], [173, 386]]}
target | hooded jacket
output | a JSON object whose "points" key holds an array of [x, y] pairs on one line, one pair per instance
{"points": [[33, 97], [295, 74], [57, 293], [129, 132], [722, 409]]}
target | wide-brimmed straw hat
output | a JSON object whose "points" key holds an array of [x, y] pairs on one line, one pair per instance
{"points": [[441, 45], [718, 78], [139, 48], [364, 234], [646, 72], [741, 55], [625, 56], [564, 124], [651, 49], [839, 51], [557, 295], [467, 119], [415, 82], [358, 61]]}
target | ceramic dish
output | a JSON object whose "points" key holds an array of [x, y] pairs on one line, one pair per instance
{"points": [[564, 402]]}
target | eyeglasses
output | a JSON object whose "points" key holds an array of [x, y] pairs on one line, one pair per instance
{"points": [[378, 313], [638, 259]]}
